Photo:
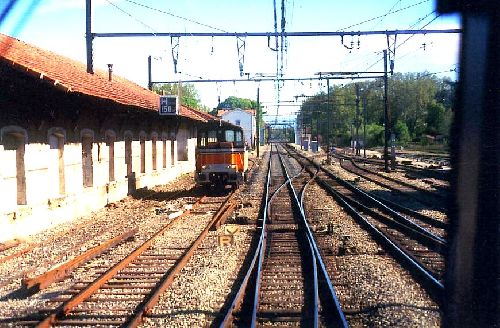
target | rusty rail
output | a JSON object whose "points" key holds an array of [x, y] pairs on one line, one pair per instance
{"points": [[18, 253], [221, 215], [84, 294], [9, 244], [46, 279]]}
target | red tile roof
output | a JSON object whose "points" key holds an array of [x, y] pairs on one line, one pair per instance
{"points": [[72, 76]]}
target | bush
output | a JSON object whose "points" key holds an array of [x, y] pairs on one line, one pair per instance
{"points": [[374, 135], [402, 133]]}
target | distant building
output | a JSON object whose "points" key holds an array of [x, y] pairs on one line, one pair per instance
{"points": [[243, 118]]}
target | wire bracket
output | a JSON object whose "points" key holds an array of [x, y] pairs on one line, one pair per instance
{"points": [[174, 42]]}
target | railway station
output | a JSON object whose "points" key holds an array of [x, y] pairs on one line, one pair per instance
{"points": [[370, 199]]}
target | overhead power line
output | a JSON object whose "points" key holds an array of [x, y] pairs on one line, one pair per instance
{"points": [[131, 16], [406, 40], [272, 34], [174, 15], [384, 15], [390, 10]]}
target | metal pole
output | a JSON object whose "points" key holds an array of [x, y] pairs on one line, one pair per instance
{"points": [[88, 36], [386, 116], [274, 34], [150, 83], [328, 124], [258, 123], [318, 115], [364, 126], [352, 138], [357, 119]]}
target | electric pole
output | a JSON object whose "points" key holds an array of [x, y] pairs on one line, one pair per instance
{"points": [[257, 124], [357, 120], [88, 36], [386, 116], [150, 83], [364, 125], [328, 124]]}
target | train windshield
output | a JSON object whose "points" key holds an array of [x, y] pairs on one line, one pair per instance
{"points": [[235, 137], [217, 138]]}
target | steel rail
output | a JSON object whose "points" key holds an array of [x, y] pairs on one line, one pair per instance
{"points": [[256, 299], [402, 183], [436, 287], [152, 299], [18, 253], [228, 317], [309, 242], [382, 206], [44, 280], [258, 275], [433, 244], [338, 313], [67, 306], [9, 244], [400, 208]]}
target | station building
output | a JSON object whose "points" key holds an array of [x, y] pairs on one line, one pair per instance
{"points": [[72, 142], [245, 119]]}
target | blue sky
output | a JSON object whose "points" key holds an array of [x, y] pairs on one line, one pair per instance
{"points": [[59, 26]]}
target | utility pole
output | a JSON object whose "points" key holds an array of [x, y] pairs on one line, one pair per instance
{"points": [[357, 119], [328, 124], [386, 116], [318, 116], [150, 83], [258, 123], [88, 36], [364, 125]]}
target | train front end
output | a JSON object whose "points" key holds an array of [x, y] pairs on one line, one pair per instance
{"points": [[221, 157]]}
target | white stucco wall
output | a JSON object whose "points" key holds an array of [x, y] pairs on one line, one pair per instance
{"points": [[45, 206], [247, 122]]}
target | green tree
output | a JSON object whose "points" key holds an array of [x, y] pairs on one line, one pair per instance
{"points": [[402, 133], [189, 94], [374, 135], [412, 98], [435, 118], [233, 102]]}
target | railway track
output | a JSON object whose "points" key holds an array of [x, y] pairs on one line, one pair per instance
{"points": [[415, 246], [71, 239], [433, 171], [287, 282], [126, 292], [403, 190]]}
